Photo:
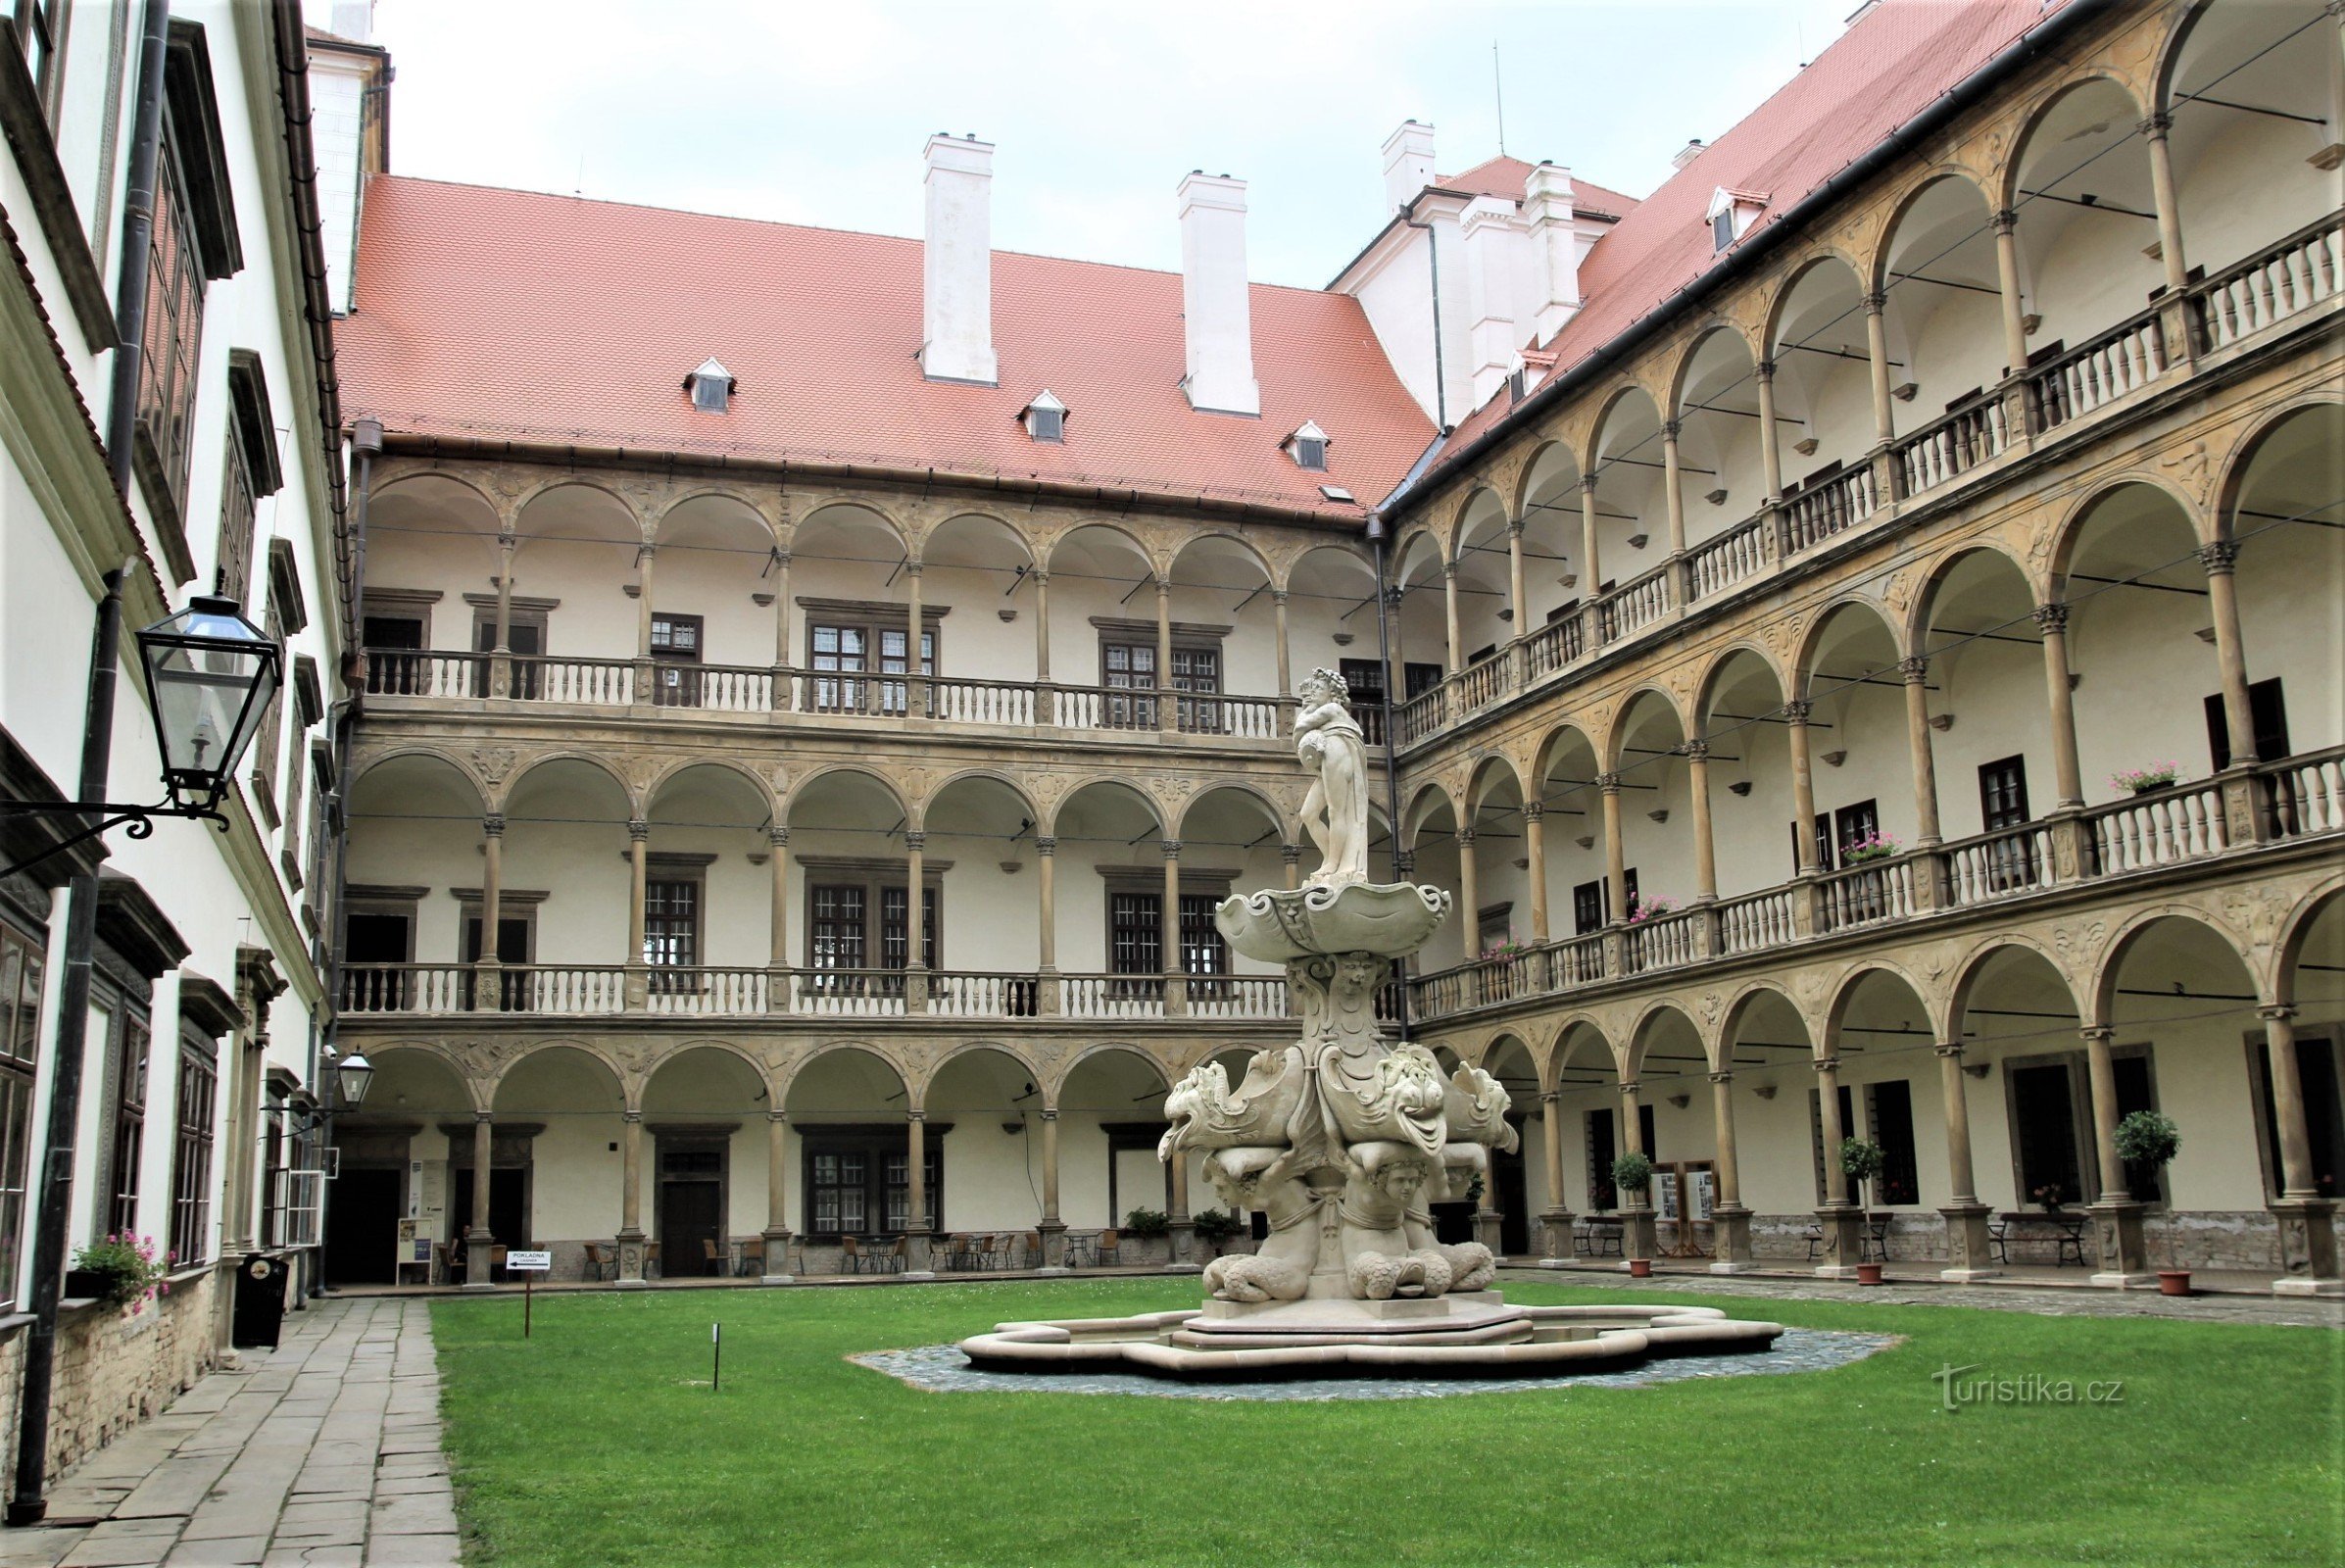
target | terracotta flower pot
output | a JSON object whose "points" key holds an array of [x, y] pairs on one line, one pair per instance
{"points": [[2173, 1282], [1867, 1274], [1641, 1268]]}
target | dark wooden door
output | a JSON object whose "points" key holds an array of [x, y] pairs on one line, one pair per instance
{"points": [[509, 1204], [1512, 1200], [362, 1236], [688, 1222]]}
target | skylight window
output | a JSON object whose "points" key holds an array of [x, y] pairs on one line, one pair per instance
{"points": [[1730, 215], [1309, 448], [1044, 418], [711, 387]]}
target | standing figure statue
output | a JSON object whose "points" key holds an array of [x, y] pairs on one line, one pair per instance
{"points": [[1335, 813]]}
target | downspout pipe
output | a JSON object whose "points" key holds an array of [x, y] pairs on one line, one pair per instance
{"points": [[53, 1192], [1746, 257], [1384, 655], [1440, 374]]}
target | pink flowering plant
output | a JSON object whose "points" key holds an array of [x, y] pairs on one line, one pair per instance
{"points": [[1644, 910], [131, 1266], [1503, 951], [2137, 780], [1874, 846]]}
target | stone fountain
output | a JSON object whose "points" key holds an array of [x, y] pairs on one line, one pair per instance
{"points": [[1343, 1139]]}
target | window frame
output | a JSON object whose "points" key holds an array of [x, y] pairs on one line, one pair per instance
{"points": [[129, 1042], [23, 972], [870, 880], [193, 1148], [877, 1145], [871, 687]]}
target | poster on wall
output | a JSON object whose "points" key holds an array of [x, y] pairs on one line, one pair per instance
{"points": [[415, 1244], [1667, 1182], [1705, 1194]]}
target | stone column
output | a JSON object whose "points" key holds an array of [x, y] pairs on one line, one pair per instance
{"points": [[1842, 1219], [1730, 1221], [785, 696], [1534, 850], [1518, 600], [915, 690], [645, 558], [2220, 560], [1917, 739], [1803, 782], [2153, 131], [1046, 703], [1168, 715], [1641, 1236], [1046, 865], [638, 837], [1876, 353], [2051, 623], [1967, 1255], [916, 1219], [477, 1246], [1469, 897], [1616, 852], [1705, 848], [1169, 935], [1278, 600], [1673, 487], [1181, 1232], [2116, 1215], [488, 983], [500, 664], [2006, 224], [1555, 1220], [777, 958], [777, 1194], [1290, 855], [1053, 1228], [630, 1202], [1592, 573], [1457, 656], [915, 922], [2307, 1225], [1770, 449]]}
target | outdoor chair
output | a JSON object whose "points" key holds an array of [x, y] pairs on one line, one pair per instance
{"points": [[851, 1255], [752, 1257], [1998, 1238], [891, 1260], [712, 1260], [602, 1263], [1104, 1250], [1032, 1257], [1815, 1240], [651, 1261]]}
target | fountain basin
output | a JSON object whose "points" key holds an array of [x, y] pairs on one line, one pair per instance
{"points": [[1390, 919]]}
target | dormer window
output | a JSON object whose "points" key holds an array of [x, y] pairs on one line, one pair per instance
{"points": [[1044, 418], [1309, 448], [1730, 215], [711, 387]]}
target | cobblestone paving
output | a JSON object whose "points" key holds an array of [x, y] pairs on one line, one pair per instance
{"points": [[323, 1453], [2049, 1302], [943, 1369]]}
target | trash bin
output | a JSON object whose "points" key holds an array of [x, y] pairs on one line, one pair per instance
{"points": [[259, 1301]]}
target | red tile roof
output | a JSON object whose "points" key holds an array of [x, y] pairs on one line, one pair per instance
{"points": [[508, 315], [1883, 71]]}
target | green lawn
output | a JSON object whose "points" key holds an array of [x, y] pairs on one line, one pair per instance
{"points": [[600, 1442]]}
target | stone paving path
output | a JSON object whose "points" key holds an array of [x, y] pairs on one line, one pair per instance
{"points": [[324, 1453], [2050, 1302]]}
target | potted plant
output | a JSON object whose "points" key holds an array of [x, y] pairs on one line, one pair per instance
{"points": [[2143, 780], [1861, 1161], [119, 1271], [1642, 909], [1147, 1222], [1874, 846], [1215, 1226], [2145, 1137], [1631, 1174], [2049, 1195]]}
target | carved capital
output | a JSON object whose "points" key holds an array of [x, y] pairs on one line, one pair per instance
{"points": [[1722, 1077], [1291, 854], [915, 842], [781, 558], [492, 824], [1608, 783], [1951, 1050], [1915, 670], [2156, 124], [1764, 370], [1048, 1113], [1164, 587], [638, 830], [1533, 810], [1696, 751], [2050, 619], [633, 1118], [778, 836], [1587, 484], [1671, 429], [2004, 222], [2277, 1013], [1875, 301], [1796, 710], [1278, 596], [1046, 846], [1549, 1096], [2220, 557], [912, 1115], [1629, 1088], [2098, 1033], [1450, 570], [1465, 837], [912, 566], [1827, 1064], [1406, 860], [1514, 531], [1172, 849]]}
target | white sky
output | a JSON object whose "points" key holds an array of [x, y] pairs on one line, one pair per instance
{"points": [[817, 113]]}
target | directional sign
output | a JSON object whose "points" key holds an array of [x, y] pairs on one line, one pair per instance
{"points": [[520, 1262]]}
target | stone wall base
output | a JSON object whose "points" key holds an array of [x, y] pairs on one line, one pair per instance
{"points": [[2242, 1240], [114, 1369]]}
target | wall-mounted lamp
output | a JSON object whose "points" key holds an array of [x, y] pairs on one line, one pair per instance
{"points": [[1506, 614], [1764, 1091], [1586, 841], [1659, 813], [1008, 616], [1805, 446], [1637, 541], [762, 601], [1834, 759], [1941, 722], [1904, 391], [2031, 325], [1739, 787], [1716, 498], [1680, 1101], [1013, 867], [2205, 634], [1342, 639], [1978, 1069], [1569, 579]]}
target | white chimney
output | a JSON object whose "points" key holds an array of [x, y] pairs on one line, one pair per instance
{"points": [[1687, 154], [956, 263], [1408, 163], [1554, 247], [1491, 244], [1215, 308]]}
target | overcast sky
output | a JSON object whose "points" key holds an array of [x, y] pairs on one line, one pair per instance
{"points": [[817, 113]]}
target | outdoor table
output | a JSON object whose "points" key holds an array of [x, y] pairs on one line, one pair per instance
{"points": [[2066, 1225]]}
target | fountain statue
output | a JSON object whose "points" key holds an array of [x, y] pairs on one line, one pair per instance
{"points": [[1343, 1140]]}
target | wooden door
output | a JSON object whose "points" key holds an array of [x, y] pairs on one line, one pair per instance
{"points": [[688, 1222]]}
